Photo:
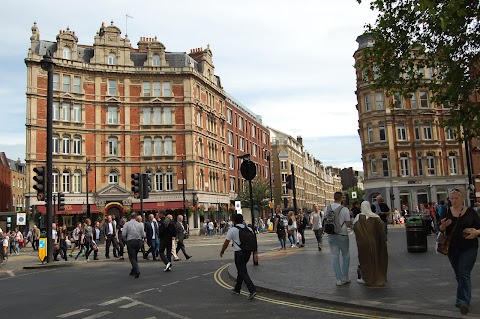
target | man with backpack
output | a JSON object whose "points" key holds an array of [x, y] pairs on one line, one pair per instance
{"points": [[337, 219], [279, 228], [244, 243]]}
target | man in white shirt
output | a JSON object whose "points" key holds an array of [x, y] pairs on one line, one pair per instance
{"points": [[110, 234], [241, 257], [316, 218], [339, 242]]}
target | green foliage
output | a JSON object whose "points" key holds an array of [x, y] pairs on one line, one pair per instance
{"points": [[261, 194], [411, 35], [360, 194]]}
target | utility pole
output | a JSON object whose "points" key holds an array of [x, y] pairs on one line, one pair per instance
{"points": [[294, 190]]}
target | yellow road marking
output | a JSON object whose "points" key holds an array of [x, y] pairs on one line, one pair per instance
{"points": [[222, 283]]}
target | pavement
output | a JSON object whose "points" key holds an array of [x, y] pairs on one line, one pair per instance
{"points": [[418, 283]]}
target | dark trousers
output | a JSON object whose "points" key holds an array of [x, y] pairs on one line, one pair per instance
{"points": [[62, 250], [166, 243], [181, 245], [88, 246], [241, 260], [111, 240], [35, 244], [133, 247], [152, 249], [121, 245], [302, 232], [318, 235]]}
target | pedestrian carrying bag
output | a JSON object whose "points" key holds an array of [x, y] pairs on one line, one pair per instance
{"points": [[443, 240], [332, 221], [248, 240]]}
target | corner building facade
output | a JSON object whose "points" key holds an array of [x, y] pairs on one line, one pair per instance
{"points": [[119, 110], [407, 155]]}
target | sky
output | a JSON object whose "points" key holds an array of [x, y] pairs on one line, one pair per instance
{"points": [[290, 62]]}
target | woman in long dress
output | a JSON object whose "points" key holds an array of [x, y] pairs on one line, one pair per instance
{"points": [[372, 246]]}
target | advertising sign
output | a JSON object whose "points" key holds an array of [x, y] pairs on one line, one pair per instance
{"points": [[21, 219], [42, 249]]}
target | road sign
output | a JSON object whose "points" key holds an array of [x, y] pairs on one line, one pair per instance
{"points": [[354, 194], [42, 249], [21, 219], [238, 205]]}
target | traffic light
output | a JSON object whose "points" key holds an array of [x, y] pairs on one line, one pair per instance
{"points": [[40, 179], [146, 185], [136, 185], [61, 201], [289, 182], [347, 198], [392, 196]]}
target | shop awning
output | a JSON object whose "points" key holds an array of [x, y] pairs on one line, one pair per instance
{"points": [[159, 205], [70, 209]]}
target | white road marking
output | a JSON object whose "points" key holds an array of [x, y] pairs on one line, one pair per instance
{"points": [[192, 277], [172, 283], [98, 315], [208, 273], [10, 273], [110, 302], [141, 292], [130, 305], [32, 273], [151, 318], [73, 313]]}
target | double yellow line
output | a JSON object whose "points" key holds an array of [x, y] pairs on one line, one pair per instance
{"points": [[222, 283]]}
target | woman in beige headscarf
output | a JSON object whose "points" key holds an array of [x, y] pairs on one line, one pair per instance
{"points": [[372, 246]]}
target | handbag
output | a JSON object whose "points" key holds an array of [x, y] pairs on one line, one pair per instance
{"points": [[443, 240]]}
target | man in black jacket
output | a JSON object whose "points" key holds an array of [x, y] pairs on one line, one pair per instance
{"points": [[151, 229], [382, 210], [181, 236], [167, 232]]}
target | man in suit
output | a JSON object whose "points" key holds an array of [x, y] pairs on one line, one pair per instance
{"points": [[110, 231], [151, 229], [181, 236], [167, 231]]}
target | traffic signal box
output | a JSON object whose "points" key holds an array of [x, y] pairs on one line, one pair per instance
{"points": [[40, 180]]}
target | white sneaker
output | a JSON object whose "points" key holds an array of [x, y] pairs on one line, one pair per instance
{"points": [[361, 281], [168, 266], [339, 282], [346, 280]]}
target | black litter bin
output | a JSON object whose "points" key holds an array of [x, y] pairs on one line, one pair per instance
{"points": [[416, 236]]}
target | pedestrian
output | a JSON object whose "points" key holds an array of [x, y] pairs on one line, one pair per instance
{"points": [[316, 218], [121, 241], [133, 233], [35, 237], [302, 224], [81, 240], [241, 257], [181, 232], [356, 209], [339, 242], [382, 210], [76, 238], [462, 224], [211, 228], [427, 220], [110, 231], [279, 228], [151, 231], [96, 239], [372, 247], [62, 243], [88, 238], [292, 229], [167, 231]]}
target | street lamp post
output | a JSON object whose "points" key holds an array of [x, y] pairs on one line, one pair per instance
{"points": [[87, 170], [270, 181], [48, 65]]}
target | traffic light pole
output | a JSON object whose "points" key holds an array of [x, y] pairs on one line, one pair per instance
{"points": [[141, 197], [294, 191]]}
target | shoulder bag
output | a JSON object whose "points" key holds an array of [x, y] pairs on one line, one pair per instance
{"points": [[443, 240]]}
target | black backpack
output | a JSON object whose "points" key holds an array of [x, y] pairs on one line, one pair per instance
{"points": [[280, 226], [331, 222], [248, 240]]}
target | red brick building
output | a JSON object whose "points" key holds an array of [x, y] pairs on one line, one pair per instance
{"points": [[130, 110]]}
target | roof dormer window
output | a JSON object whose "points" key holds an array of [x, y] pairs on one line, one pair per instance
{"points": [[67, 53], [112, 59], [156, 60]]}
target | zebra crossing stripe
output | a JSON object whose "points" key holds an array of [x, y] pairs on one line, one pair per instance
{"points": [[110, 302], [130, 305], [73, 313], [98, 315]]}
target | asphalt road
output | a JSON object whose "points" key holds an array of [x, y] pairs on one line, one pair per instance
{"points": [[197, 288]]}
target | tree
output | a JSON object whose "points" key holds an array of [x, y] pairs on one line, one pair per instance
{"points": [[439, 37], [261, 194], [360, 194]]}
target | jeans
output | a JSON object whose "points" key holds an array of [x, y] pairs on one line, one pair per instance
{"points": [[462, 263], [152, 249], [318, 235], [339, 243], [133, 246], [302, 232], [291, 239], [241, 260], [281, 238]]}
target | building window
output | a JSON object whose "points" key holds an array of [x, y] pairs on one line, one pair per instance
{"points": [[370, 133], [66, 83], [232, 184], [56, 81], [230, 138], [147, 146], [283, 165], [424, 99], [231, 161], [168, 146], [113, 177], [449, 134], [240, 123], [367, 101], [199, 119], [167, 115], [159, 181], [146, 120], [112, 59], [284, 177], [382, 132], [77, 145], [427, 130], [66, 144], [241, 144], [112, 87], [66, 111], [112, 146], [453, 165], [397, 101], [413, 101], [385, 165], [66, 181], [56, 144], [254, 128], [155, 60], [157, 146], [197, 92], [146, 88], [200, 147], [284, 189], [404, 165], [55, 177], [56, 111], [430, 164], [373, 166], [77, 182], [169, 181], [112, 115], [401, 132], [157, 88], [379, 100], [67, 53], [77, 84], [416, 129], [167, 89], [364, 75], [420, 164], [77, 113], [229, 116]]}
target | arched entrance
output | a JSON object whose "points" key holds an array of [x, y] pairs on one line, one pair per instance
{"points": [[115, 209]]}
